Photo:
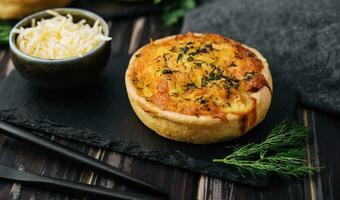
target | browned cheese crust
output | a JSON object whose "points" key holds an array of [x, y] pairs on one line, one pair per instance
{"points": [[199, 88]]}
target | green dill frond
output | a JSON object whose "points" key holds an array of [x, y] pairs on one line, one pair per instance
{"points": [[282, 153], [5, 29]]}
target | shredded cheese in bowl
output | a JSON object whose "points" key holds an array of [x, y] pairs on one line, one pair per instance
{"points": [[59, 37]]}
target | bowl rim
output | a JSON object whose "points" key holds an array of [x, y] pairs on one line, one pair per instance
{"points": [[81, 12]]}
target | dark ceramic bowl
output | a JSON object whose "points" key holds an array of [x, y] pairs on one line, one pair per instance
{"points": [[61, 73]]}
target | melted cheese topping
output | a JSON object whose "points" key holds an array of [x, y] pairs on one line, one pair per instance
{"points": [[198, 75], [59, 37]]}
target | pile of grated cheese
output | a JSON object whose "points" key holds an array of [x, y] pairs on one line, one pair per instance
{"points": [[59, 37]]}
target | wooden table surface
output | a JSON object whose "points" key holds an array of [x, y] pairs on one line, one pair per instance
{"points": [[127, 35]]}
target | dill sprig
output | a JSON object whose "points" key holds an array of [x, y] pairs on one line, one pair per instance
{"points": [[174, 10], [283, 153], [5, 29]]}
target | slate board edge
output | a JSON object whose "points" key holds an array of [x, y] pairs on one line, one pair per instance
{"points": [[175, 159]]}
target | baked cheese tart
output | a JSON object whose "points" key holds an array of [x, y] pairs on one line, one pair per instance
{"points": [[199, 88]]}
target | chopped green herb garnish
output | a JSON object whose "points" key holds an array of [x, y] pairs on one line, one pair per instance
{"points": [[190, 59], [189, 86], [179, 57], [204, 81], [184, 49], [198, 64], [232, 65], [204, 50], [167, 71], [209, 47], [173, 49], [249, 75], [165, 58], [217, 74], [231, 83], [204, 101]]}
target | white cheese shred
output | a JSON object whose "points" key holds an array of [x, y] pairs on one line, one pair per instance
{"points": [[59, 37]]}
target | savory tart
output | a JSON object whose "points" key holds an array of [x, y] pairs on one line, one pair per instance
{"points": [[199, 88]]}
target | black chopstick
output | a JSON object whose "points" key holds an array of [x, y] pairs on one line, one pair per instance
{"points": [[25, 136], [76, 189]]}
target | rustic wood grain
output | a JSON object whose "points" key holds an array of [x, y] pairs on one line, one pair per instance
{"points": [[312, 158], [4, 62], [137, 30], [127, 36], [326, 153]]}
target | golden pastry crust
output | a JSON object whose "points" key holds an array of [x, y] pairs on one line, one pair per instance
{"points": [[199, 88], [15, 9]]}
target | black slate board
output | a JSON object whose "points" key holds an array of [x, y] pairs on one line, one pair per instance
{"points": [[100, 115]]}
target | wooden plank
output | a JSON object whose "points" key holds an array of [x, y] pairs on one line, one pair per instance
{"points": [[326, 154], [8, 150], [136, 34], [181, 184], [116, 160], [5, 59], [35, 160], [211, 188], [121, 34]]}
